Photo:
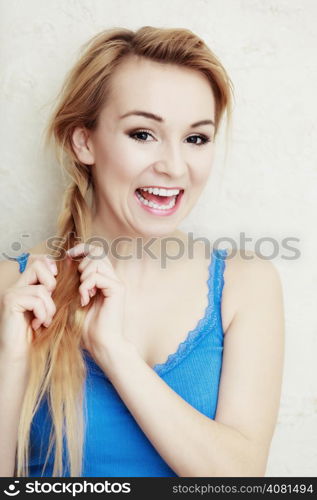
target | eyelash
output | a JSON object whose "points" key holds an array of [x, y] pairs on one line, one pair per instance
{"points": [[203, 137]]}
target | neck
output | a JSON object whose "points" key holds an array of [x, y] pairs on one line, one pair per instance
{"points": [[135, 256]]}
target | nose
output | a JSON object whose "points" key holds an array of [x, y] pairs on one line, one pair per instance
{"points": [[171, 162]]}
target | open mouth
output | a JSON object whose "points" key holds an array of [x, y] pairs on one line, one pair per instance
{"points": [[158, 198]]}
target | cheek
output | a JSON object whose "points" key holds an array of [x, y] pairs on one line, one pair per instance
{"points": [[200, 174], [118, 163]]}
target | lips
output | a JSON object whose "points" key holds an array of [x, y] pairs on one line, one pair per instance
{"points": [[156, 198], [156, 204]]}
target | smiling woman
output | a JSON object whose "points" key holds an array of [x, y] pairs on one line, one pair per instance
{"points": [[138, 148], [123, 366]]}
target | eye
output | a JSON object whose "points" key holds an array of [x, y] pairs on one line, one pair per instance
{"points": [[203, 138], [140, 133]]}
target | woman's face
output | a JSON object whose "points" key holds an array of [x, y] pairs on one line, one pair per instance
{"points": [[147, 138]]}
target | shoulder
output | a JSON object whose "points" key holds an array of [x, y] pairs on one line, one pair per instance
{"points": [[249, 282], [9, 269]]}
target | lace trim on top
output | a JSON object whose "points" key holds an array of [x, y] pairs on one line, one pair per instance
{"points": [[215, 284]]}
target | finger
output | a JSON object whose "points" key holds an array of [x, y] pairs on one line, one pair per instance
{"points": [[105, 283], [88, 259], [93, 291], [25, 298], [33, 291], [38, 293], [83, 249], [40, 313], [39, 271], [42, 292], [97, 263], [99, 266], [48, 260], [34, 304], [80, 249], [52, 264]]}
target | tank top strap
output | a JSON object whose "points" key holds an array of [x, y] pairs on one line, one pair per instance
{"points": [[216, 281]]}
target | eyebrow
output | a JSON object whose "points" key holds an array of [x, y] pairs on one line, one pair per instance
{"points": [[152, 116]]}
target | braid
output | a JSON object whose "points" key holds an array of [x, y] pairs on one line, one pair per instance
{"points": [[75, 217]]}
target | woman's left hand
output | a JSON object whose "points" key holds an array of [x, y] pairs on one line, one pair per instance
{"points": [[103, 326]]}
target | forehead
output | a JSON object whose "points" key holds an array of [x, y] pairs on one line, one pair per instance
{"points": [[167, 89]]}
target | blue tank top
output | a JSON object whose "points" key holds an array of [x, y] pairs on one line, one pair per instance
{"points": [[114, 444]]}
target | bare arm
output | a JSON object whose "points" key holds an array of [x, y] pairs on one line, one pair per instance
{"points": [[13, 380], [19, 297], [12, 384], [237, 442]]}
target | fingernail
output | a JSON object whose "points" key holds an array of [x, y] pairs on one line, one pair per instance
{"points": [[54, 269], [72, 250], [82, 301]]}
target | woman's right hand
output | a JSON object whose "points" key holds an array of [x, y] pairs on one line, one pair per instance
{"points": [[26, 305]]}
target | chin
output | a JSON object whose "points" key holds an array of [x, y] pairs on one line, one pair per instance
{"points": [[159, 230]]}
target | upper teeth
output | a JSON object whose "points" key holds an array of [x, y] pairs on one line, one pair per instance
{"points": [[161, 191]]}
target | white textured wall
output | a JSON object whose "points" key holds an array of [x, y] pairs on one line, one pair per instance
{"points": [[266, 189]]}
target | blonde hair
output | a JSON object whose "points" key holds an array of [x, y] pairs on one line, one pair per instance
{"points": [[57, 367]]}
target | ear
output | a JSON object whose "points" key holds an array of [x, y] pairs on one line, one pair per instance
{"points": [[82, 145]]}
